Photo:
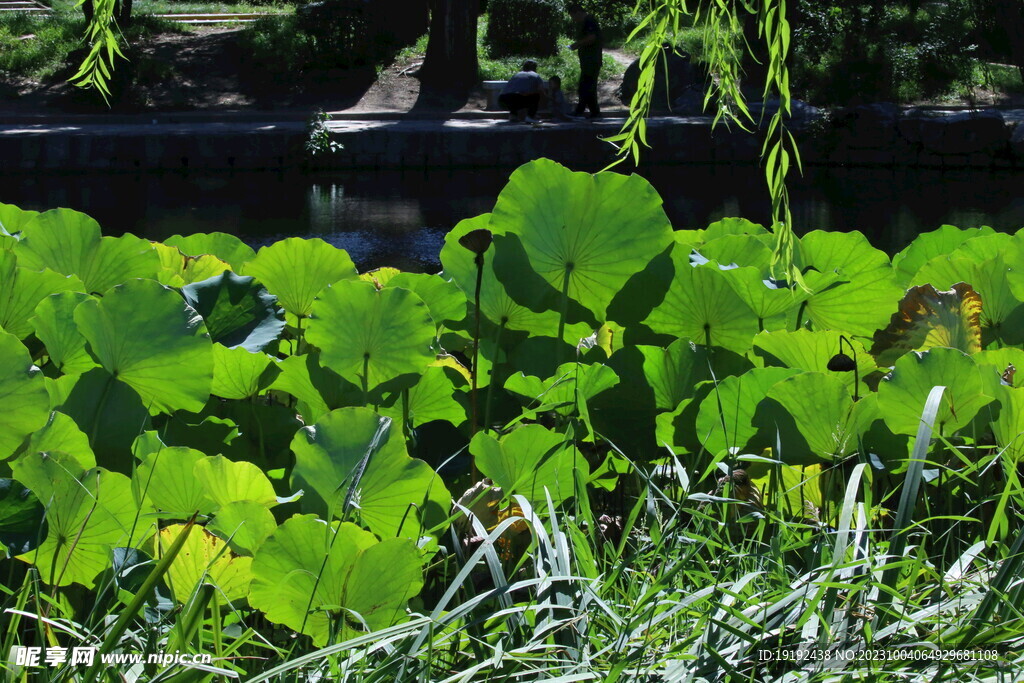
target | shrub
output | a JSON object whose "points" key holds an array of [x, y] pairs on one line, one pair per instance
{"points": [[615, 17], [524, 27]]}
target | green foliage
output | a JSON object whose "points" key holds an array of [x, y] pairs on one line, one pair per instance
{"points": [[707, 434], [528, 28]]}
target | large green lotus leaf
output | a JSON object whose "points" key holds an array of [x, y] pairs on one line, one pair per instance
{"points": [[54, 324], [226, 247], [109, 412], [585, 233], [178, 270], [295, 270], [22, 394], [798, 489], [991, 245], [229, 482], [204, 558], [1006, 363], [432, 398], [702, 306], [848, 252], [991, 278], [811, 350], [725, 418], [88, 513], [639, 296], [239, 373], [822, 408], [764, 297], [732, 226], [673, 372], [929, 245], [395, 496], [858, 307], [12, 218], [928, 318], [145, 335], [1009, 426], [244, 525], [22, 289], [530, 461], [371, 336], [739, 250], [309, 576], [166, 479], [560, 392], [318, 389], [61, 433], [69, 242], [902, 394], [443, 298], [237, 310], [495, 303], [21, 518]]}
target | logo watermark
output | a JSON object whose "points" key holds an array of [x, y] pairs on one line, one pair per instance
{"points": [[87, 656]]}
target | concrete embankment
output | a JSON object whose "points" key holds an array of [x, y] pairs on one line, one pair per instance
{"points": [[869, 137]]}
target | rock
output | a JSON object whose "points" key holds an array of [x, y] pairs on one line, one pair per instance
{"points": [[1017, 141], [800, 111], [868, 125], [983, 132], [683, 78]]}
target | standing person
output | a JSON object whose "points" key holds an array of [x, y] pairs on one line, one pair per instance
{"points": [[588, 47], [521, 95]]}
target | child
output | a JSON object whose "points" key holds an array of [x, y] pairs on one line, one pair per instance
{"points": [[556, 101]]}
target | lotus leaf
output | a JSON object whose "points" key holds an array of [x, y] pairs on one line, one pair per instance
{"points": [[22, 289], [850, 253], [352, 453], [858, 307], [295, 270], [54, 324], [798, 489], [318, 389], [432, 398], [177, 269], [702, 306], [929, 245], [530, 461], [166, 479], [144, 334], [21, 518], [12, 218], [109, 412], [725, 418], [61, 433], [308, 575], [571, 383], [205, 559], [739, 250], [991, 278], [225, 247], [1006, 363], [811, 350], [902, 394], [1009, 426], [822, 408], [69, 242], [228, 482], [371, 336], [585, 234], [88, 513], [765, 297], [244, 525], [673, 372], [443, 298], [732, 226], [928, 318], [239, 373], [237, 311], [495, 303], [22, 393]]}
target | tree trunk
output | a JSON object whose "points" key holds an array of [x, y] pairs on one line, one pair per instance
{"points": [[122, 11], [450, 66]]}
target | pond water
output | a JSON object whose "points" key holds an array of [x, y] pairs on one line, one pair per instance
{"points": [[400, 218]]}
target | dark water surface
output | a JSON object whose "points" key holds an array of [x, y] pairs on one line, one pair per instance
{"points": [[400, 218]]}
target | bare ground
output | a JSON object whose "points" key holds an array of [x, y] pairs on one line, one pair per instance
{"points": [[207, 70]]}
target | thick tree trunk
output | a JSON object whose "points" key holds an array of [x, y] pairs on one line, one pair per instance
{"points": [[450, 66]]}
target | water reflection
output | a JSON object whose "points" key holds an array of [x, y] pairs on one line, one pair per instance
{"points": [[399, 218]]}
